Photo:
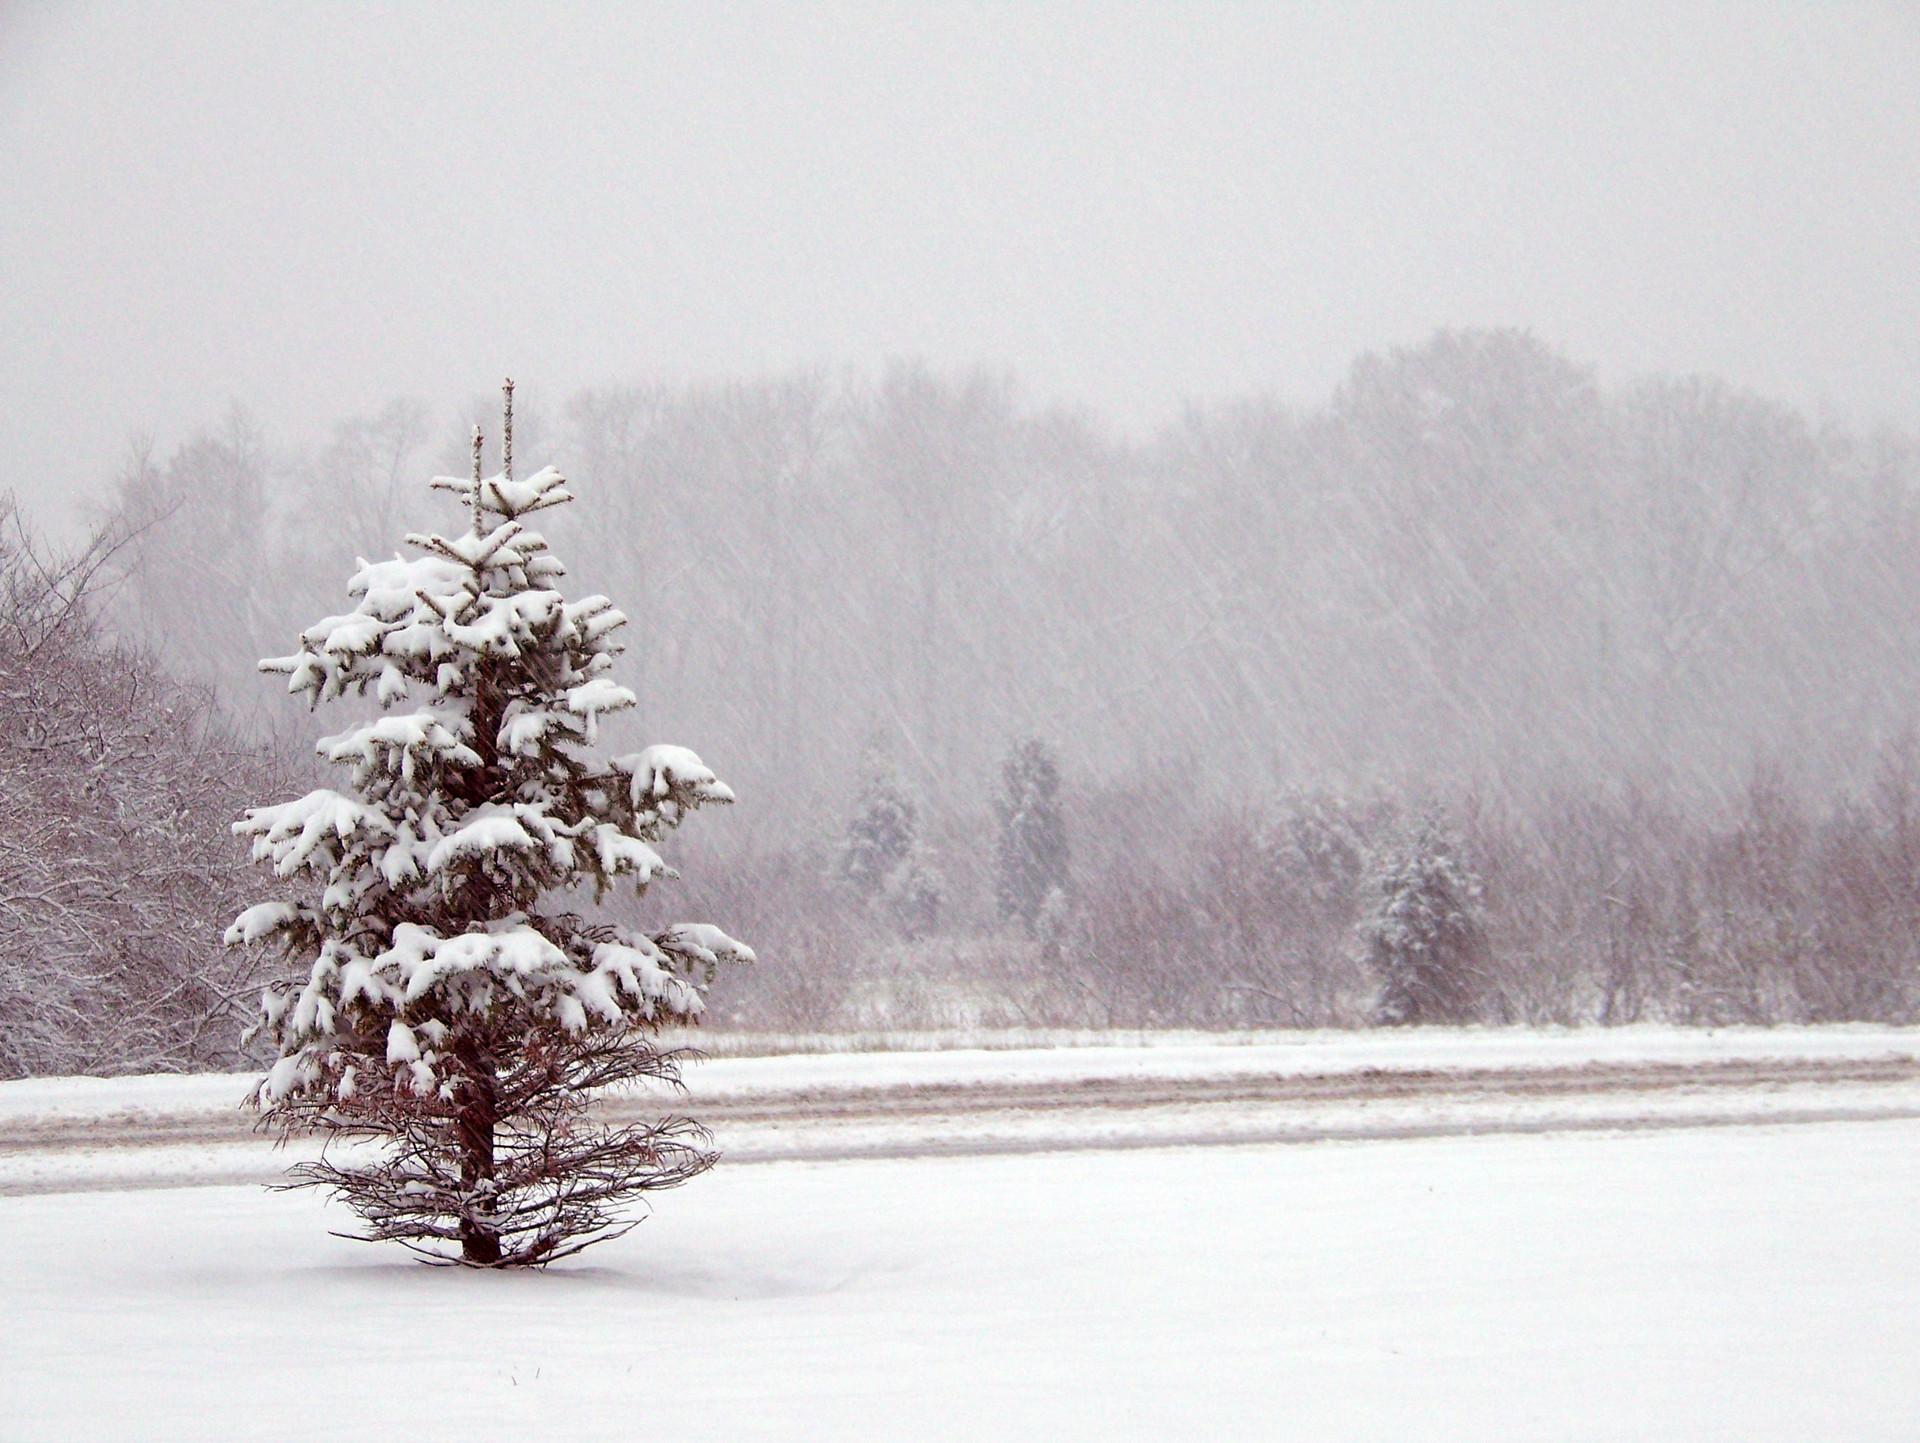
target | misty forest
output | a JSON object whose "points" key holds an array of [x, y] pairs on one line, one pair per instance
{"points": [[1594, 700]]}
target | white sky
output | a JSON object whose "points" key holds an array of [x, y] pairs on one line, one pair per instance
{"points": [[312, 208]]}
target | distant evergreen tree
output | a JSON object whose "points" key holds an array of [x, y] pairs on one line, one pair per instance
{"points": [[1425, 941], [1030, 880], [883, 860], [1316, 859], [882, 830]]}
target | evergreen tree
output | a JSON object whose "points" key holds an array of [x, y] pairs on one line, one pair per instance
{"points": [[1030, 875], [1316, 859], [446, 1014], [1425, 941], [883, 860]]}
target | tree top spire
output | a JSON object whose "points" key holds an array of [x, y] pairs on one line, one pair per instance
{"points": [[506, 433], [476, 480]]}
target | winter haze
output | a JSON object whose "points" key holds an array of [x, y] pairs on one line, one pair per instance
{"points": [[1143, 477], [1284, 634], [312, 209]]}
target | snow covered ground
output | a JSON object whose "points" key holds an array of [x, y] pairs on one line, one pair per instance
{"points": [[1493, 1236], [1745, 1284]]}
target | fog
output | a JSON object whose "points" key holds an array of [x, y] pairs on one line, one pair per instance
{"points": [[1111, 488], [310, 209]]}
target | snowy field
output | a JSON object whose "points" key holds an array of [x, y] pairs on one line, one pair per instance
{"points": [[1540, 1237], [1736, 1284]]}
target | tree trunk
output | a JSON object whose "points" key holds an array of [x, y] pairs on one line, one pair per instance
{"points": [[478, 1108], [475, 1114]]}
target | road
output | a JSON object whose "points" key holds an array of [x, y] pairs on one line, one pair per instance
{"points": [[827, 1119]]}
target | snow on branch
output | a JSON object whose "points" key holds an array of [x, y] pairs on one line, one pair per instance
{"points": [[444, 1009]]}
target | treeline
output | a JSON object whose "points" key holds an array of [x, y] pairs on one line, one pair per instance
{"points": [[1474, 568], [1643, 653], [1613, 906]]}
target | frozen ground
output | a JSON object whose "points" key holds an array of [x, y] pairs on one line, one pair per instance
{"points": [[1630, 1235]]}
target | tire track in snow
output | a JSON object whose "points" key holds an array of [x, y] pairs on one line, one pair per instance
{"points": [[1092, 1113], [935, 1146], [832, 1104]]}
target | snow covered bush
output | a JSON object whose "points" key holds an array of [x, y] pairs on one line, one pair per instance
{"points": [[1426, 940], [446, 1014]]}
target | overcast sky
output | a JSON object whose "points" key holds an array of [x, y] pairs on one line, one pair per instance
{"points": [[312, 208]]}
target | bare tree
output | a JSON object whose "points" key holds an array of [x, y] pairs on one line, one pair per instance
{"points": [[115, 784]]}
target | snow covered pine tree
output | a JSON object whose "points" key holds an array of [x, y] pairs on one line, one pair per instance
{"points": [[444, 1019], [1426, 941], [1030, 878], [883, 859]]}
